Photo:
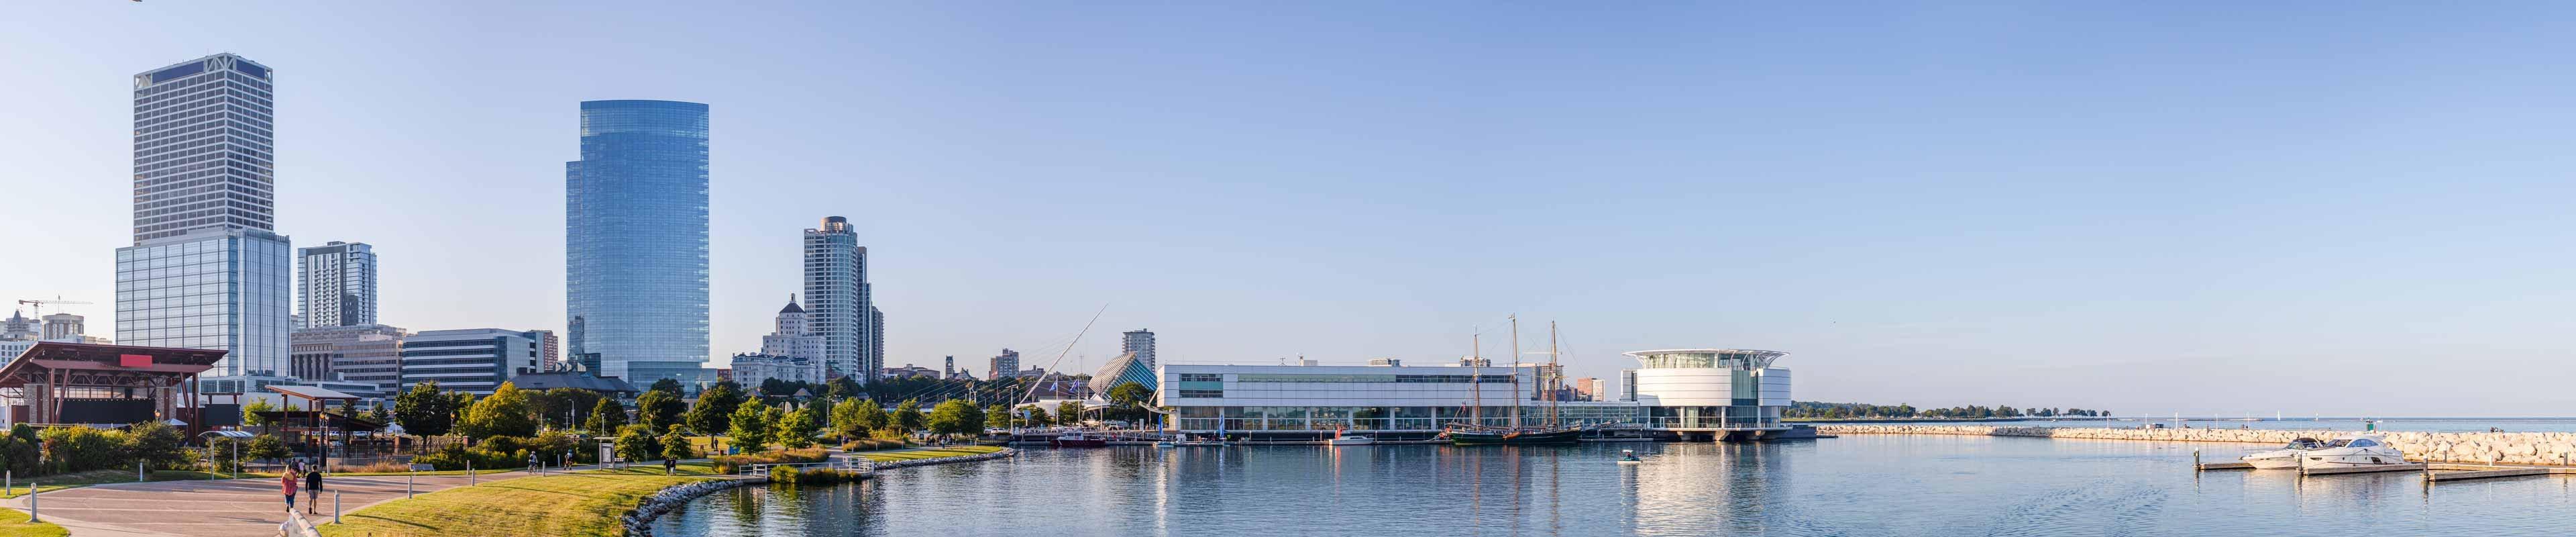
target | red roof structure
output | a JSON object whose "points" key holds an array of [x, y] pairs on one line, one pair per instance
{"points": [[53, 373]]}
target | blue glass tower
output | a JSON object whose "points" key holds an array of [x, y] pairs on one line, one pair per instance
{"points": [[635, 239]]}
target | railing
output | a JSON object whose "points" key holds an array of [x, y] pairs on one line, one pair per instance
{"points": [[851, 464], [1434, 424]]}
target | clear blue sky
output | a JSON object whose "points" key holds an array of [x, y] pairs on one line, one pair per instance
{"points": [[2147, 208]]}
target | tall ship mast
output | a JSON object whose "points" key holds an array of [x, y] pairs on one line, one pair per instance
{"points": [[1553, 431]]}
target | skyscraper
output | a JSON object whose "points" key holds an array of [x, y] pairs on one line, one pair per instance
{"points": [[1005, 365], [207, 269], [1141, 342], [339, 285], [635, 240], [837, 305]]}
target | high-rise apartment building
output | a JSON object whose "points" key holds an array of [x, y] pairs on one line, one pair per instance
{"points": [[837, 304], [207, 269], [1140, 342], [635, 240], [339, 286], [1004, 365]]}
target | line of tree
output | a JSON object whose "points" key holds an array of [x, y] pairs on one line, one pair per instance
{"points": [[1814, 409]]}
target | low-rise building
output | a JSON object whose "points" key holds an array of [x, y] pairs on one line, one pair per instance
{"points": [[754, 369], [367, 353], [474, 360], [1693, 393]]}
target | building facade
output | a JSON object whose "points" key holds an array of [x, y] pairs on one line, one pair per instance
{"points": [[1004, 365], [61, 326], [339, 287], [474, 360], [1126, 368], [1140, 343], [206, 270], [635, 233], [19, 327], [1690, 392], [1699, 389], [750, 370], [792, 335], [368, 353], [837, 301]]}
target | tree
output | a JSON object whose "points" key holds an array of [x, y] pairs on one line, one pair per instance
{"points": [[504, 413], [250, 412], [1034, 416], [572, 407], [907, 416], [1131, 399], [873, 417], [423, 411], [714, 412], [668, 386], [748, 432], [843, 388], [158, 445], [1069, 413], [847, 421], [606, 416], [265, 446], [997, 417], [675, 446], [796, 431], [950, 418], [637, 443], [660, 409]]}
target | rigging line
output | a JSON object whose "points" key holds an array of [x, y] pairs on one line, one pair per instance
{"points": [[1059, 357]]}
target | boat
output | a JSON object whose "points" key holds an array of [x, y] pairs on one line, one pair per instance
{"points": [[1078, 439], [1516, 437], [1553, 431], [2353, 450], [1628, 457], [1196, 443], [1340, 439], [2282, 459]]}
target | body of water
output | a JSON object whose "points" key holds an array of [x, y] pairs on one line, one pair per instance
{"points": [[2452, 425], [1859, 485]]}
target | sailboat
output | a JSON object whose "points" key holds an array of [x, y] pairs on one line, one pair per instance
{"points": [[1553, 431]]}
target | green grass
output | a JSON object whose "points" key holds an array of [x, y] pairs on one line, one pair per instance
{"points": [[579, 503], [927, 453], [13, 523], [18, 486]]}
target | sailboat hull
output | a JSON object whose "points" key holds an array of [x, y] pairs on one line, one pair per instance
{"points": [[1514, 438]]}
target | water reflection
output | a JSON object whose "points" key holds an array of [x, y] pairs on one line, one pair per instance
{"points": [[1855, 485]]}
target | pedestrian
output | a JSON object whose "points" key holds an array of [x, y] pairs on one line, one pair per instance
{"points": [[288, 482], [313, 490], [670, 466]]}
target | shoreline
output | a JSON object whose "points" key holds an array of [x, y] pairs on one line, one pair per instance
{"points": [[2531, 448], [639, 520]]}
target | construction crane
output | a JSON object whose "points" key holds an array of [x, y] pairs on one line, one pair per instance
{"points": [[40, 304]]}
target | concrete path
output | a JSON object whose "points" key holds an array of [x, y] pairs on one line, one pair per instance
{"points": [[217, 508]]}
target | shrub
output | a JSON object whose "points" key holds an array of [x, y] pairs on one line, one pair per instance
{"points": [[375, 468], [158, 445], [455, 457], [726, 464], [872, 444], [809, 476], [75, 449], [265, 446], [637, 443], [890, 433]]}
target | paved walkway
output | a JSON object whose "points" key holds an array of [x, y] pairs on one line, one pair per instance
{"points": [[216, 508]]}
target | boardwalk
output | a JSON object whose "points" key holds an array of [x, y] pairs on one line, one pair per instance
{"points": [[216, 508]]}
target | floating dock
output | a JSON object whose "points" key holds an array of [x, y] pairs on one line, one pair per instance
{"points": [[2225, 466], [2376, 468], [2462, 472]]}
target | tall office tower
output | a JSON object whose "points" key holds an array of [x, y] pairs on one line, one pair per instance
{"points": [[339, 285], [1140, 342], [1004, 365], [19, 328], [793, 337], [207, 270], [948, 369], [635, 240], [65, 326], [836, 299]]}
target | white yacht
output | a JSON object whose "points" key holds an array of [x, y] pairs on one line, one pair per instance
{"points": [[1340, 439], [2353, 450], [2285, 458]]}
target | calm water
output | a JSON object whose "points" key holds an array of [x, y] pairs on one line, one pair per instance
{"points": [[2338, 424], [1861, 485]]}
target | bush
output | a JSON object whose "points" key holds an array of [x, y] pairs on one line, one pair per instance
{"points": [[75, 449], [726, 464], [872, 444], [455, 457], [809, 476], [637, 444], [375, 468], [264, 447], [890, 433]]}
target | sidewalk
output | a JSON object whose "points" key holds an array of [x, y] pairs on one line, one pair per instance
{"points": [[218, 508]]}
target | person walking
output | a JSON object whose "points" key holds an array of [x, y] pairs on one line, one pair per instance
{"points": [[287, 482], [313, 490]]}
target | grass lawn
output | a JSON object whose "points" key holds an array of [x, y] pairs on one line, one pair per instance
{"points": [[579, 503], [13, 523], [926, 453], [92, 477]]}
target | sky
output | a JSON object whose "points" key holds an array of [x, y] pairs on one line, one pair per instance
{"points": [[2205, 208]]}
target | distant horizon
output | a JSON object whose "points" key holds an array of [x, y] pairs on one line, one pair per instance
{"points": [[2076, 205]]}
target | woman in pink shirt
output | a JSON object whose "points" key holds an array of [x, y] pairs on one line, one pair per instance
{"points": [[288, 481]]}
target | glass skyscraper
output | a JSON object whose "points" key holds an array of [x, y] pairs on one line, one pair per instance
{"points": [[635, 240], [207, 269]]}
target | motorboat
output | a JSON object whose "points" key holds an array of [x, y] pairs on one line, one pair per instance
{"points": [[1340, 439], [1628, 457], [2285, 458], [1079, 439], [2353, 450], [1185, 441]]}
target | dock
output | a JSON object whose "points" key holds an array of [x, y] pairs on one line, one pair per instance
{"points": [[2226, 466], [2463, 472], [2412, 467]]}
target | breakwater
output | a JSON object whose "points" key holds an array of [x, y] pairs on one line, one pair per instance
{"points": [[639, 522], [2466, 448]]}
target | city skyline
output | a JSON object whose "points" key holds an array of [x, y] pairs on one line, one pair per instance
{"points": [[1913, 213]]}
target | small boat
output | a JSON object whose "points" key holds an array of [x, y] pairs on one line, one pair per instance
{"points": [[1340, 439], [2353, 450], [1521, 436], [2282, 459], [1628, 457], [1078, 439], [1197, 443]]}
